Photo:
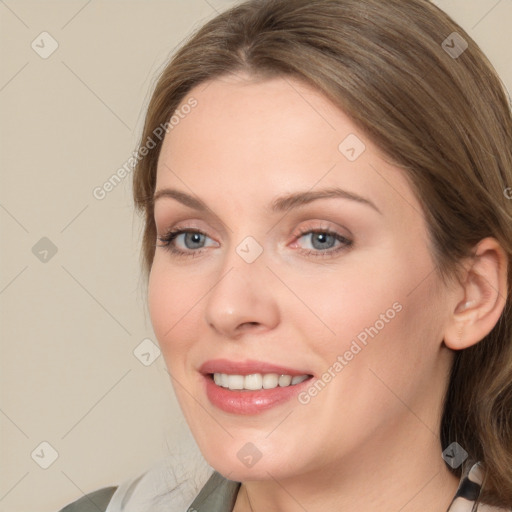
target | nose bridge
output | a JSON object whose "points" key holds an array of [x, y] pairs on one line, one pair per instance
{"points": [[241, 294], [245, 260]]}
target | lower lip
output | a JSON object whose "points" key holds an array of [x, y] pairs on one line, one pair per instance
{"points": [[250, 402]]}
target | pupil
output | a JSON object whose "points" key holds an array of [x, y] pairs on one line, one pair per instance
{"points": [[321, 240], [194, 238]]}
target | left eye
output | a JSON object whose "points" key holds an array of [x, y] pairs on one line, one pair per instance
{"points": [[321, 239], [323, 242]]}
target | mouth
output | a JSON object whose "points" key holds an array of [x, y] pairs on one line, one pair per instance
{"points": [[251, 387], [256, 381]]}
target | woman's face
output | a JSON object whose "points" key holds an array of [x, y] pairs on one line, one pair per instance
{"points": [[290, 279]]}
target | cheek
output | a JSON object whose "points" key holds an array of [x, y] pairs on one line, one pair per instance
{"points": [[171, 302], [380, 308], [388, 330], [340, 305]]}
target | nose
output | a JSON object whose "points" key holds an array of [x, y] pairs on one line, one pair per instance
{"points": [[242, 300]]}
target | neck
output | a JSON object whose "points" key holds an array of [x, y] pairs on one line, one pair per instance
{"points": [[400, 474]]}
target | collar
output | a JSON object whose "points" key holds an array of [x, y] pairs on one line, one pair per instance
{"points": [[217, 495]]}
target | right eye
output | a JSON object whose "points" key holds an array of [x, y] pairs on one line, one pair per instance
{"points": [[192, 237]]}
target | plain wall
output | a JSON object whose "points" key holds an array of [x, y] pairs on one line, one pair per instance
{"points": [[71, 321]]}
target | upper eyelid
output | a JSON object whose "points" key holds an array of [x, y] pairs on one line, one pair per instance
{"points": [[302, 208], [324, 226], [190, 224]]}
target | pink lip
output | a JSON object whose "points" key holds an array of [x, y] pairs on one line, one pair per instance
{"points": [[247, 368], [247, 402]]}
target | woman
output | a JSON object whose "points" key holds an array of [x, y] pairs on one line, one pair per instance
{"points": [[327, 240]]}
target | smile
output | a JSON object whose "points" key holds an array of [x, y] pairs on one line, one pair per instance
{"points": [[257, 381], [250, 387]]}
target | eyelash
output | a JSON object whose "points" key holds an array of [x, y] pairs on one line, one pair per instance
{"points": [[169, 237]]}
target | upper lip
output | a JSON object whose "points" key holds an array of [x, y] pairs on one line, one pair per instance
{"points": [[247, 367]]}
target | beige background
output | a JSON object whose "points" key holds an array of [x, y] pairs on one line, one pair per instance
{"points": [[70, 323]]}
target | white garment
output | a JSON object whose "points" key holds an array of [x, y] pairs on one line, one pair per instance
{"points": [[184, 473]]}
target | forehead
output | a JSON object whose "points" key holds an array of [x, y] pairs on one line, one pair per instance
{"points": [[265, 137], [274, 115]]}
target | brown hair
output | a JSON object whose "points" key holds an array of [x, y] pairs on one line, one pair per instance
{"points": [[442, 117]]}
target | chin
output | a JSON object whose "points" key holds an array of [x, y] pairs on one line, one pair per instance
{"points": [[242, 460]]}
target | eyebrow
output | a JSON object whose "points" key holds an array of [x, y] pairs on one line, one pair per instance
{"points": [[280, 204]]}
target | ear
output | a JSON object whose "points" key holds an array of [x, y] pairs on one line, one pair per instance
{"points": [[480, 298]]}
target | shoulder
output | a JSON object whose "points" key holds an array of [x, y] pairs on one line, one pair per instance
{"points": [[167, 485], [93, 502]]}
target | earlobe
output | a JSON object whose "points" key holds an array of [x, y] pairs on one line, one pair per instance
{"points": [[484, 294]]}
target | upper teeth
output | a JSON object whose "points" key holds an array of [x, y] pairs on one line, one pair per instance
{"points": [[256, 381]]}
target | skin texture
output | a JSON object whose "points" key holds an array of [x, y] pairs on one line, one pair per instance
{"points": [[369, 440]]}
